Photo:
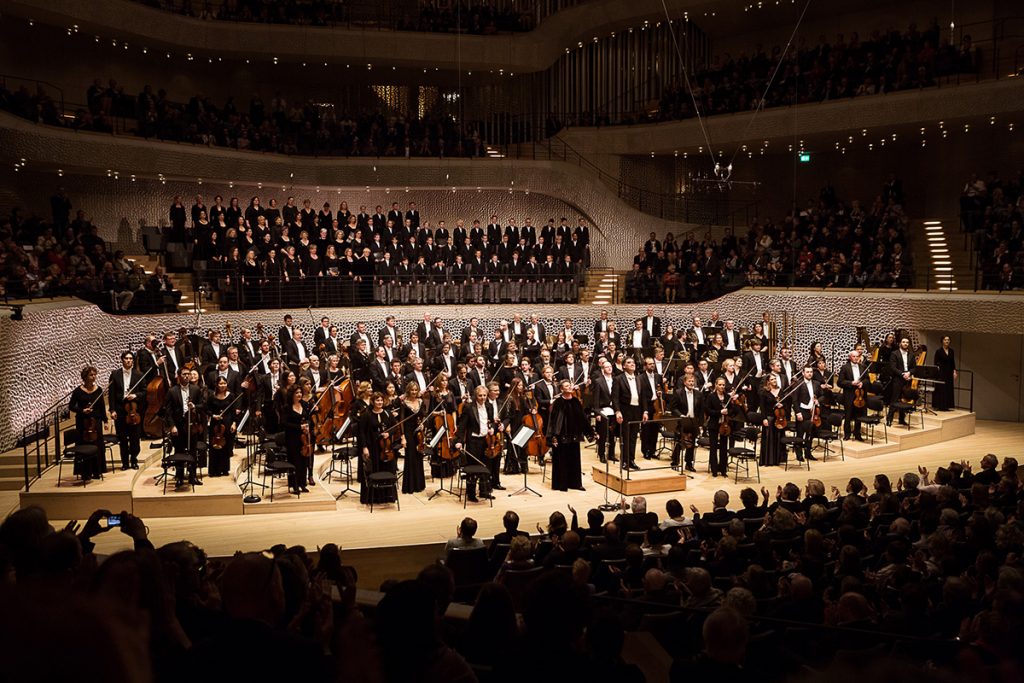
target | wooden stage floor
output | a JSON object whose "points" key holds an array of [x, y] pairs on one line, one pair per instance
{"points": [[216, 519]]}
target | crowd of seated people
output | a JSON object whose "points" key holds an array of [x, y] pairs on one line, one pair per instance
{"points": [[921, 577], [831, 243], [271, 255], [309, 128], [65, 256], [885, 62], [428, 15], [992, 210]]}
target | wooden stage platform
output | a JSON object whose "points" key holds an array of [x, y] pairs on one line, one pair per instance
{"points": [[215, 517]]}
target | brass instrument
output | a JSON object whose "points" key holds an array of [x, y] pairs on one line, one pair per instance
{"points": [[711, 356]]}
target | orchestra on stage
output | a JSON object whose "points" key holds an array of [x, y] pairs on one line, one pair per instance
{"points": [[477, 405]]}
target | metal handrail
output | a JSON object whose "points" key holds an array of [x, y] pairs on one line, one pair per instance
{"points": [[36, 438]]}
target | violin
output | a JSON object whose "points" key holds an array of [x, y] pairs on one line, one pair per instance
{"points": [[816, 415], [307, 441], [858, 397], [495, 443], [445, 420], [387, 446], [218, 433], [132, 416], [90, 429], [781, 416]]}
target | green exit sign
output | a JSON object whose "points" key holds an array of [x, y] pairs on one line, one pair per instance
{"points": [[805, 157]]}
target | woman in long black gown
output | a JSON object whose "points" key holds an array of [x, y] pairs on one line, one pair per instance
{"points": [[565, 427], [87, 403], [944, 397], [222, 407], [295, 418], [373, 423], [512, 414], [413, 410], [771, 449]]}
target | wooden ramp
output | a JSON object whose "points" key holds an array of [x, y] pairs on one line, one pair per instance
{"points": [[640, 482]]}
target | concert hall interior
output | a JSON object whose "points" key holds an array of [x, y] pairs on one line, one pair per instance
{"points": [[392, 340]]}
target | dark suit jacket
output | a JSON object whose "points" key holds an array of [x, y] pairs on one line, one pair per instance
{"points": [[115, 389], [469, 422], [657, 326], [174, 415], [291, 350], [621, 393]]}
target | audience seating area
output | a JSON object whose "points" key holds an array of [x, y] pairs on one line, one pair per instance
{"points": [[65, 256], [831, 243], [878, 64], [304, 128], [445, 16], [920, 579], [991, 211]]}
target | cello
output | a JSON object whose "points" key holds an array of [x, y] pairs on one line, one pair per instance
{"points": [[537, 446]]}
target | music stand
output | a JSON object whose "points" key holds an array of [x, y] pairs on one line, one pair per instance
{"points": [[251, 458], [519, 441], [338, 445], [928, 376], [432, 445]]}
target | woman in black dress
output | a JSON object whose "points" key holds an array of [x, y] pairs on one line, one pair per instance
{"points": [[373, 423], [512, 414], [296, 419], [412, 411], [945, 359], [565, 427], [90, 417], [222, 408], [771, 449]]}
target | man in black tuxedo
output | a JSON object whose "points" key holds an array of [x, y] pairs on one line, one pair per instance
{"points": [[321, 333], [755, 358], [652, 323], [389, 330], [632, 401], [213, 349], [266, 388], [731, 337], [638, 339], [223, 369], [601, 324], [475, 424], [395, 214], [805, 397], [852, 376], [359, 361], [649, 433], [285, 331], [379, 371], [687, 405], [126, 385], [413, 215], [248, 349], [360, 334], [295, 350], [180, 408], [902, 364], [603, 410], [418, 375]]}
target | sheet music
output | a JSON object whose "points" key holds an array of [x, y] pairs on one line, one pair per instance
{"points": [[523, 436]]}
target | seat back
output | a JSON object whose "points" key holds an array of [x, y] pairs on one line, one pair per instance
{"points": [[468, 566], [517, 581]]}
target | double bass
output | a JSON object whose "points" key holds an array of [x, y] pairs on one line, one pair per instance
{"points": [[156, 394]]}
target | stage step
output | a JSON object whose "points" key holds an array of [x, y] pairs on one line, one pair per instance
{"points": [[945, 426]]}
